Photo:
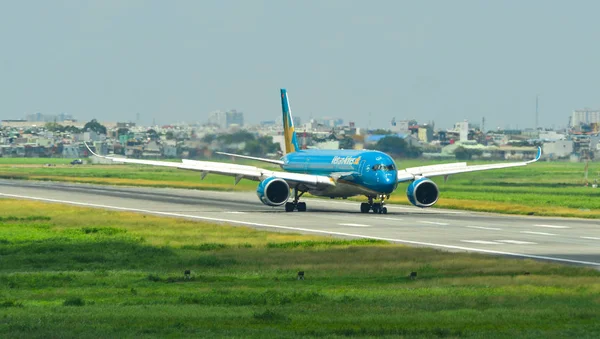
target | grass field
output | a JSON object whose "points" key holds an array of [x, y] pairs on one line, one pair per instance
{"points": [[543, 188], [66, 273]]}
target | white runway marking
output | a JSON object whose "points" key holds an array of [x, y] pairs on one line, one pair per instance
{"points": [[388, 218], [484, 242], [537, 233], [235, 212], [552, 226], [461, 248], [389, 206], [591, 238], [434, 223], [485, 228], [517, 242], [354, 225]]}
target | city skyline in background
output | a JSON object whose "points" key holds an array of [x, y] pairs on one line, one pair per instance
{"points": [[431, 61]]}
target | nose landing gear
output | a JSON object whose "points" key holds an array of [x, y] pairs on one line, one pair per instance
{"points": [[376, 207]]}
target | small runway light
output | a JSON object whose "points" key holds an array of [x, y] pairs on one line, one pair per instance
{"points": [[413, 275], [186, 274], [301, 275]]}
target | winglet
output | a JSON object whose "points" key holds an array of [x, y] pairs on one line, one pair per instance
{"points": [[537, 157], [89, 149], [99, 156]]}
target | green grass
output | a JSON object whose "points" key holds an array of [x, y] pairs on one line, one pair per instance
{"points": [[34, 161], [543, 188], [73, 272]]}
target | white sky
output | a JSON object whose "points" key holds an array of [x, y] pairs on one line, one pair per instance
{"points": [[178, 60]]}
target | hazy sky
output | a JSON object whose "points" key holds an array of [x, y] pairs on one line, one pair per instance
{"points": [[178, 60]]}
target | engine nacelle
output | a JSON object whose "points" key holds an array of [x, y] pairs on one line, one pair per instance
{"points": [[273, 191], [423, 193]]}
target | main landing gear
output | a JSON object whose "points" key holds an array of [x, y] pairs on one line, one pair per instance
{"points": [[376, 207], [296, 205]]}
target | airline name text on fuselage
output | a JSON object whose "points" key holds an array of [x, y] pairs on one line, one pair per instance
{"points": [[337, 160]]}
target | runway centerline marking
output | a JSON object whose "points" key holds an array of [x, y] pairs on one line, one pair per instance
{"points": [[483, 242], [434, 223], [412, 242], [235, 212], [388, 218], [354, 225], [485, 228], [537, 233], [591, 238], [517, 242], [552, 226]]}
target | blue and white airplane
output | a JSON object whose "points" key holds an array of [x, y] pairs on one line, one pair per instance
{"points": [[330, 173]]}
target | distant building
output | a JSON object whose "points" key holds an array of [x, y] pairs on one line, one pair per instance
{"points": [[462, 128], [585, 116], [558, 149], [224, 120], [297, 121], [425, 133], [125, 124], [399, 127], [39, 117], [551, 136]]}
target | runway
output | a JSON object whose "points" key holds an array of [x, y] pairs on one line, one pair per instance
{"points": [[571, 241]]}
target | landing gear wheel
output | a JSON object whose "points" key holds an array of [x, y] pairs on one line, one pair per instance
{"points": [[364, 207], [290, 206], [376, 208]]}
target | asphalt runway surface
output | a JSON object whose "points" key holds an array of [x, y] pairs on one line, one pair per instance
{"points": [[566, 240]]}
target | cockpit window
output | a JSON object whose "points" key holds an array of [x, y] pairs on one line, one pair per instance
{"points": [[384, 168]]}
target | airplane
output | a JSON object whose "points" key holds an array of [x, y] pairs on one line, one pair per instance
{"points": [[329, 173]]}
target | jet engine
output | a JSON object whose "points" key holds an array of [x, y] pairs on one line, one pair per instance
{"points": [[273, 191], [422, 193]]}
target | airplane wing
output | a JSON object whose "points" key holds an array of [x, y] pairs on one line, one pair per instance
{"points": [[413, 173], [238, 171], [271, 161]]}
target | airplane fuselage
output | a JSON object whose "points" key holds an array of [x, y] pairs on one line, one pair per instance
{"points": [[357, 172]]}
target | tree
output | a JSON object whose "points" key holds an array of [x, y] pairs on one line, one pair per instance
{"points": [[391, 144], [347, 143], [380, 131], [54, 127], [152, 134], [209, 138], [169, 135], [94, 126], [462, 153], [72, 129], [122, 131], [261, 146], [397, 146]]}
